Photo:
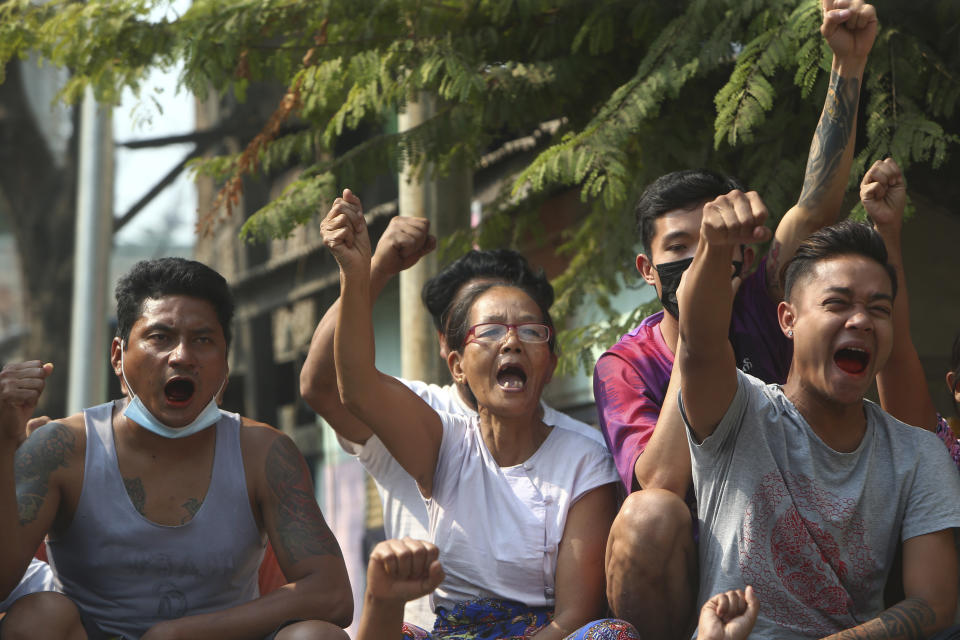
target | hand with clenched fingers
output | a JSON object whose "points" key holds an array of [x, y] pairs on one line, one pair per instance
{"points": [[883, 193], [735, 218], [849, 27], [403, 570], [729, 615], [402, 244], [344, 232], [21, 384]]}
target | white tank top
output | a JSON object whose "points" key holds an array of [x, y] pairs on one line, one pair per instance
{"points": [[127, 573]]}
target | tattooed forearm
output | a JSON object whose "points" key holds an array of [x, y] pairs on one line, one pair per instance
{"points": [[910, 619], [36, 459], [192, 506], [830, 139], [138, 495], [300, 526]]}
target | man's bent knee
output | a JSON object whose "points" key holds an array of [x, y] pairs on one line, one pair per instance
{"points": [[651, 564], [312, 630], [653, 517], [43, 615]]}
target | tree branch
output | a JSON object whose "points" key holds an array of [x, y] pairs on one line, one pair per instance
{"points": [[164, 182]]}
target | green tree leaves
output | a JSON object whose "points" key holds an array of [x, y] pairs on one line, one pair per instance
{"points": [[633, 89]]}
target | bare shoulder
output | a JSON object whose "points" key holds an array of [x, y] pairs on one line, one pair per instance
{"points": [[267, 452], [256, 438], [74, 423], [253, 430], [250, 422]]}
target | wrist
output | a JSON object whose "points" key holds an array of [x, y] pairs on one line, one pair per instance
{"points": [[356, 273], [379, 274], [383, 605], [711, 252], [10, 439], [888, 231], [849, 66]]}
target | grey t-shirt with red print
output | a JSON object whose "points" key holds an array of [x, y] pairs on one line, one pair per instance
{"points": [[812, 529]]}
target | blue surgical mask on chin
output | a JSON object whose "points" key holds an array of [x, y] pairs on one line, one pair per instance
{"points": [[138, 412]]}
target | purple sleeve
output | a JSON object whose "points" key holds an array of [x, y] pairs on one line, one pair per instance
{"points": [[945, 433], [628, 410], [758, 342]]}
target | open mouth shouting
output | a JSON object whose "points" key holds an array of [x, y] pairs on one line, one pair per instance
{"points": [[852, 360], [511, 377], [179, 391]]}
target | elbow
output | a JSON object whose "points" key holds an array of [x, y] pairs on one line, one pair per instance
{"points": [[339, 609], [320, 602], [944, 607], [309, 393], [938, 607], [320, 395], [342, 615]]}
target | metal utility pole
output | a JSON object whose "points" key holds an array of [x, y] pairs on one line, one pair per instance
{"points": [[446, 203], [88, 327]]}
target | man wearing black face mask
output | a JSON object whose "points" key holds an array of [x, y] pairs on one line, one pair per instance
{"points": [[651, 564], [631, 378]]}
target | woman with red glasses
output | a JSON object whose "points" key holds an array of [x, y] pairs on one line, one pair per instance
{"points": [[519, 511]]}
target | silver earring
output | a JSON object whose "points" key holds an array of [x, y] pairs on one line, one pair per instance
{"points": [[789, 333]]}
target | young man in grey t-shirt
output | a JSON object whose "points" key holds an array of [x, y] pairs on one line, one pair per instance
{"points": [[804, 490]]}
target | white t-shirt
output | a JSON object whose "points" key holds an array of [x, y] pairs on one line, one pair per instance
{"points": [[813, 530], [404, 512], [499, 528], [39, 577]]}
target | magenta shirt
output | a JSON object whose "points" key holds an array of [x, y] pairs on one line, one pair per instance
{"points": [[631, 378]]}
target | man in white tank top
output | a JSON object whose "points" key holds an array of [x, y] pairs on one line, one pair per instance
{"points": [[403, 243], [157, 522]]}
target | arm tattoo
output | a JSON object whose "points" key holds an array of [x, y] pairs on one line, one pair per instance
{"points": [[300, 526], [36, 459], [192, 506], [830, 138], [138, 495], [906, 619]]}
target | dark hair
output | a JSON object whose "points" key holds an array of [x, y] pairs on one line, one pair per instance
{"points": [[844, 238], [457, 323], [504, 265], [167, 277], [678, 190]]}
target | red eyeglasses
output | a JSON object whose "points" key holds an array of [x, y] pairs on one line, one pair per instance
{"points": [[497, 331]]}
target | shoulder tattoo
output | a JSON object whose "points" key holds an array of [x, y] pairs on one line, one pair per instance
{"points": [[36, 460]]}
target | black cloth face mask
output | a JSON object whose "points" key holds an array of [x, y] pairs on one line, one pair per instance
{"points": [[670, 274]]}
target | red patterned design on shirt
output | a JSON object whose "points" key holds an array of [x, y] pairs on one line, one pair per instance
{"points": [[803, 549]]}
